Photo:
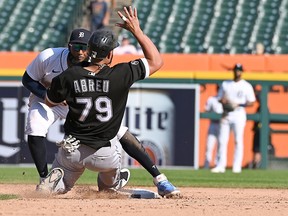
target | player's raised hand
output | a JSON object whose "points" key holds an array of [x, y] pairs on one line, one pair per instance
{"points": [[130, 20], [131, 23]]}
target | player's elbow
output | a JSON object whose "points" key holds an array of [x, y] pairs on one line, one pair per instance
{"points": [[155, 65], [25, 79]]}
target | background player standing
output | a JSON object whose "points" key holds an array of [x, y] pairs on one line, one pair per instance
{"points": [[235, 95], [212, 105]]}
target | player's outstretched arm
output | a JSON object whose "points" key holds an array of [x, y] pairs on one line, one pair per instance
{"points": [[33, 86], [131, 23]]}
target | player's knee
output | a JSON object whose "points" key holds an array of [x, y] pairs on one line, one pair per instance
{"points": [[39, 120]]}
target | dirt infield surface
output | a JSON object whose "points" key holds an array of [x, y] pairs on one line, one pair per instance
{"points": [[86, 200]]}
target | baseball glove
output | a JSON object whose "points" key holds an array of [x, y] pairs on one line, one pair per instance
{"points": [[229, 107]]}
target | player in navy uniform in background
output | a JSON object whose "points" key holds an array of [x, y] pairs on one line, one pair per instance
{"points": [[97, 96]]}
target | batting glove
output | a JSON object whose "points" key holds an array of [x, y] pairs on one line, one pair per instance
{"points": [[69, 144]]}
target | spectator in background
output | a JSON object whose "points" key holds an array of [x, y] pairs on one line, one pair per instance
{"points": [[100, 12], [111, 7], [212, 105], [259, 49], [125, 47], [234, 95]]}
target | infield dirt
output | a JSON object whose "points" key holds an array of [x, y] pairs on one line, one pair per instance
{"points": [[86, 200]]}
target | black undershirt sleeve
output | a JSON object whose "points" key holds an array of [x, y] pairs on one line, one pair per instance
{"points": [[33, 86]]}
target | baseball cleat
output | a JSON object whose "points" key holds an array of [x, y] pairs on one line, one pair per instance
{"points": [[52, 183], [218, 170], [165, 188], [124, 178], [236, 170]]}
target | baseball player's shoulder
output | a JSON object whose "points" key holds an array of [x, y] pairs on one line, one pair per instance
{"points": [[134, 62], [74, 72], [245, 82], [53, 52], [227, 82], [137, 69], [127, 67]]}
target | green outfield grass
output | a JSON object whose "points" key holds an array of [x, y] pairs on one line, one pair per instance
{"points": [[179, 177]]}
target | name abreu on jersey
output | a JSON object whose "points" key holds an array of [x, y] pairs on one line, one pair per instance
{"points": [[91, 85]]}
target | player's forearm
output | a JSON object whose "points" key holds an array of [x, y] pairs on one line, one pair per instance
{"points": [[248, 104], [33, 86], [150, 51]]}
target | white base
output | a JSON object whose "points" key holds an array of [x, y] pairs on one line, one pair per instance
{"points": [[137, 193]]}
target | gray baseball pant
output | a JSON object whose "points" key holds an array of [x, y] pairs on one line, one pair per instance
{"points": [[106, 161]]}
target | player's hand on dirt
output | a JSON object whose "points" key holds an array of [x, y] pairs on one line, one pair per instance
{"points": [[130, 20], [69, 144]]}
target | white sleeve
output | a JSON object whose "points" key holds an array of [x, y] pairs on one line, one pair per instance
{"points": [[208, 105], [220, 92], [147, 69], [218, 107], [250, 94], [121, 132], [36, 69]]}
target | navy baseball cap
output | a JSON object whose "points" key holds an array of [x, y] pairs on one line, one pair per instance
{"points": [[80, 36], [238, 67]]}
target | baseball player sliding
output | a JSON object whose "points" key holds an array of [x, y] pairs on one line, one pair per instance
{"points": [[97, 95], [234, 95], [37, 79]]}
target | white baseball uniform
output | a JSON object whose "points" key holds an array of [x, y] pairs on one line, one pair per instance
{"points": [[212, 105], [48, 64], [239, 92]]}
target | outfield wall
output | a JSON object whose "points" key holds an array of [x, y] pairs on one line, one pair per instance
{"points": [[191, 67], [176, 62]]}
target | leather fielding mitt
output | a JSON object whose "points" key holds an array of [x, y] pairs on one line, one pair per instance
{"points": [[229, 107]]}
